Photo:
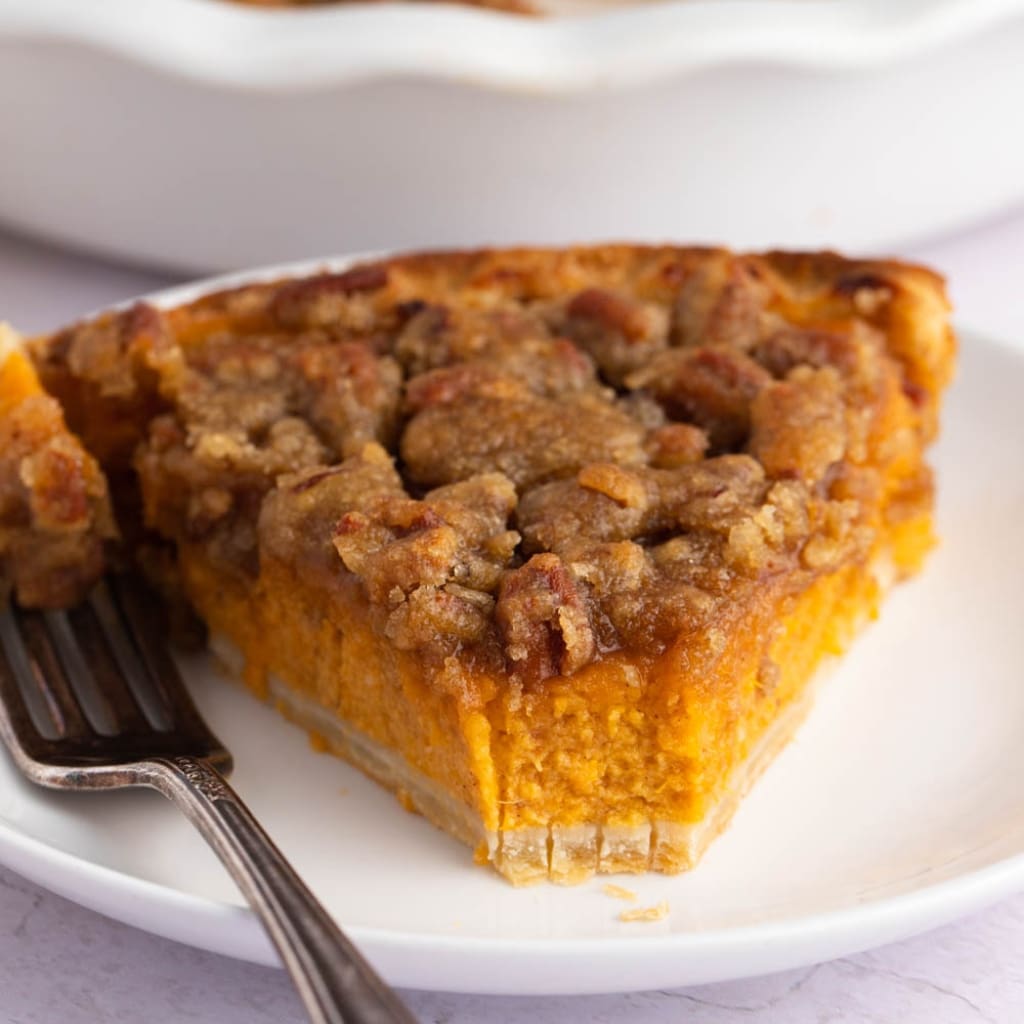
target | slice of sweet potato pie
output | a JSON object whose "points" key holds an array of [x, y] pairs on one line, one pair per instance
{"points": [[550, 543]]}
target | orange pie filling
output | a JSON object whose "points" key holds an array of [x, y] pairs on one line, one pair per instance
{"points": [[549, 543]]}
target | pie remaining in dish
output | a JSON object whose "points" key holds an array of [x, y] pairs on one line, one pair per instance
{"points": [[550, 543]]}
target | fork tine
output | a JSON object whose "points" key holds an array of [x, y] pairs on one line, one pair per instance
{"points": [[104, 671], [43, 668], [95, 687], [72, 660], [17, 723], [147, 691], [133, 604]]}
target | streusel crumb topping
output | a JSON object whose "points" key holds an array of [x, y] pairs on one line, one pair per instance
{"points": [[535, 456]]}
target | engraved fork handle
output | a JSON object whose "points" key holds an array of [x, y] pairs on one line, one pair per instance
{"points": [[335, 983]]}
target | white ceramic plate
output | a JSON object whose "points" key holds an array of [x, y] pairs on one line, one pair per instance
{"points": [[898, 807]]}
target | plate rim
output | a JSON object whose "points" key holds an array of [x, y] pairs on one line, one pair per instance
{"points": [[233, 930]]}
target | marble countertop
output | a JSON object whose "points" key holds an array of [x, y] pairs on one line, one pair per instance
{"points": [[59, 962]]}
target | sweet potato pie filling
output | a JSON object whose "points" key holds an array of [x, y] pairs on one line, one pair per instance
{"points": [[549, 542]]}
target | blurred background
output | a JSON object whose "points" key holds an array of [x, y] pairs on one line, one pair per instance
{"points": [[202, 135]]}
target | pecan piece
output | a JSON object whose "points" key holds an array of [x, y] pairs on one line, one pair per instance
{"points": [[610, 310], [789, 347], [620, 333], [351, 393], [544, 620], [721, 303], [317, 301], [711, 387]]}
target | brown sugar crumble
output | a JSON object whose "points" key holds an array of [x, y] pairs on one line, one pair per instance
{"points": [[506, 463]]}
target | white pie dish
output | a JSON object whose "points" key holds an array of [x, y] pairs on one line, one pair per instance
{"points": [[203, 134]]}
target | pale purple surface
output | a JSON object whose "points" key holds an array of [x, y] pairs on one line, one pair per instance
{"points": [[59, 962]]}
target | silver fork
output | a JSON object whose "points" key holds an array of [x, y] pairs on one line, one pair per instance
{"points": [[90, 699]]}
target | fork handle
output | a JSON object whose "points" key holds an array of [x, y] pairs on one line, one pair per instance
{"points": [[335, 983]]}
